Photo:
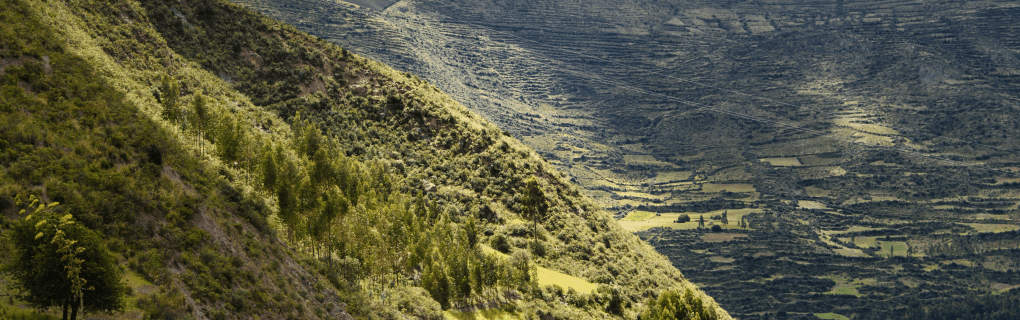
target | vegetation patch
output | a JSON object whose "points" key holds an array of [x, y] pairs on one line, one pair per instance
{"points": [[956, 262], [850, 252], [830, 315], [816, 192], [728, 187], [669, 220], [721, 237], [644, 160], [638, 215], [992, 227], [721, 259], [846, 286], [672, 176], [1000, 287], [894, 248], [783, 162], [548, 277], [808, 204]]}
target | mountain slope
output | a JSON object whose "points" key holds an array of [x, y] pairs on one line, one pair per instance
{"points": [[870, 147], [289, 178]]}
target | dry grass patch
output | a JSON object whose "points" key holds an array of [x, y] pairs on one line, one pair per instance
{"points": [[816, 192], [807, 204], [962, 262], [547, 277], [896, 248], [850, 252], [642, 195], [644, 160], [1003, 287], [847, 286], [989, 216], [992, 228], [866, 127], [639, 215], [671, 176], [830, 315], [729, 187], [783, 162], [721, 259]]}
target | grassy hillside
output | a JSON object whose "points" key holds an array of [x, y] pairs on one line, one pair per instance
{"points": [[238, 168]]}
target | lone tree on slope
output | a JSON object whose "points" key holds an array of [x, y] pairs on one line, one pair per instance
{"points": [[535, 205], [58, 262]]}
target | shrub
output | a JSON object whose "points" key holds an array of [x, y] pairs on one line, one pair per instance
{"points": [[501, 243]]}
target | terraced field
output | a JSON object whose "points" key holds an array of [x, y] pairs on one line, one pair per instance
{"points": [[871, 142]]}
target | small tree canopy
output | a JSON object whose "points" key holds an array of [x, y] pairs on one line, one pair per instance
{"points": [[38, 267], [535, 205]]}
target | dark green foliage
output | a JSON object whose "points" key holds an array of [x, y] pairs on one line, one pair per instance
{"points": [[500, 242], [471, 230], [150, 264], [170, 96], [230, 141], [166, 304], [41, 270], [269, 167]]}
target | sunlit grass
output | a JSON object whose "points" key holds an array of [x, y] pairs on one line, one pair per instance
{"points": [[639, 215], [807, 204], [896, 248], [783, 162], [992, 228], [847, 286], [730, 187], [547, 277], [668, 220], [830, 315], [669, 176]]}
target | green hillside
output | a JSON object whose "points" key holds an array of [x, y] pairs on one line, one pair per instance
{"points": [[234, 167]]}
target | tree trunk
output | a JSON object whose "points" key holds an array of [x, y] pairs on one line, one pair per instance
{"points": [[535, 244], [74, 311], [66, 302]]}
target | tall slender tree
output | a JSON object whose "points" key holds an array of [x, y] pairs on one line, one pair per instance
{"points": [[535, 205], [201, 118], [170, 98]]}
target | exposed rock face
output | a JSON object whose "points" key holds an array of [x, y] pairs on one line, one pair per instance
{"points": [[835, 120]]}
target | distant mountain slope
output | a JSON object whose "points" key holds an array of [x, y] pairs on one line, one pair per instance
{"points": [[870, 148], [286, 177]]}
